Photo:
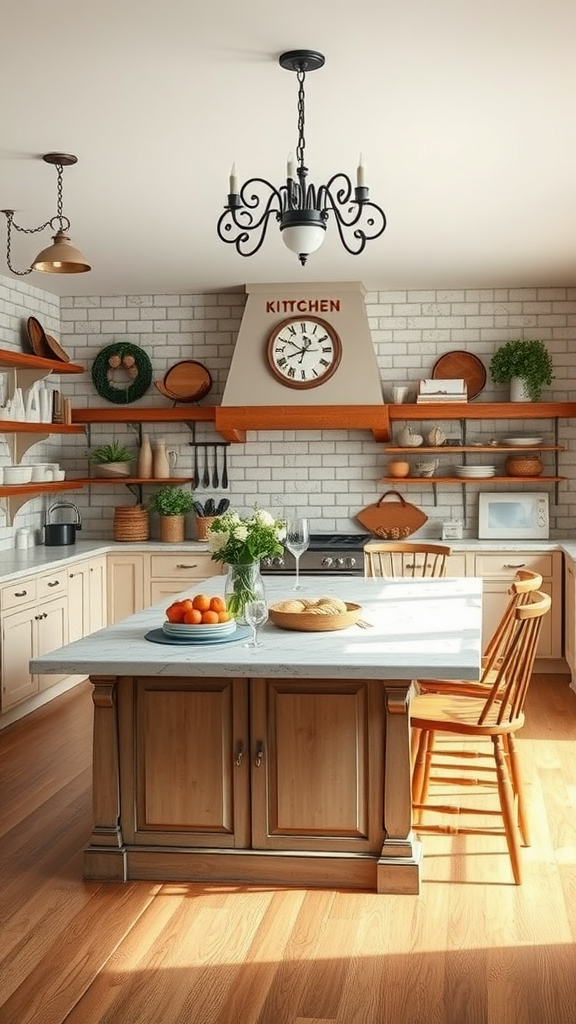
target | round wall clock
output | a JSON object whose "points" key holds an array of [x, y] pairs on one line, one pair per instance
{"points": [[303, 352]]}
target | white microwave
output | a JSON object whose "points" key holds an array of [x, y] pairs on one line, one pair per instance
{"points": [[513, 516]]}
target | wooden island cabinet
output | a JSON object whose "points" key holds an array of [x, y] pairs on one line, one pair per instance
{"points": [[288, 764]]}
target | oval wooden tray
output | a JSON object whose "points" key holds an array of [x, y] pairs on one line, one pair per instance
{"points": [[306, 622], [461, 366], [187, 381], [37, 338]]}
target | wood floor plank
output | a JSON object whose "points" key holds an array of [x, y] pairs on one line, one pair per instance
{"points": [[472, 948]]}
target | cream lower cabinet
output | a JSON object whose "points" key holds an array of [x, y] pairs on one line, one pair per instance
{"points": [[498, 569], [34, 622], [227, 763], [173, 573], [86, 598], [125, 584]]}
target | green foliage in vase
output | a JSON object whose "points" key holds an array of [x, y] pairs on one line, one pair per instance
{"points": [[529, 360], [171, 501], [114, 452]]}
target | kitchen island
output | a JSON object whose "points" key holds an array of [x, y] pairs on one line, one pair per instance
{"points": [[284, 765]]}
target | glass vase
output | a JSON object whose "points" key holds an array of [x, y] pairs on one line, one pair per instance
{"points": [[243, 583]]}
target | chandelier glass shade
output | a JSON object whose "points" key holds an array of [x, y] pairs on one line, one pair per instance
{"points": [[61, 257], [301, 209]]}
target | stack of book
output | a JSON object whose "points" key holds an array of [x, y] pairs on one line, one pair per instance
{"points": [[441, 391]]}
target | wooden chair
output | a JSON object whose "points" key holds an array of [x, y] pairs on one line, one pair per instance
{"points": [[402, 559], [497, 717], [524, 584]]}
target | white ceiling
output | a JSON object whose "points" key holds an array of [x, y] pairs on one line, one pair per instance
{"points": [[464, 113]]}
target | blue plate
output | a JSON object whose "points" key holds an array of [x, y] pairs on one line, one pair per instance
{"points": [[158, 636]]}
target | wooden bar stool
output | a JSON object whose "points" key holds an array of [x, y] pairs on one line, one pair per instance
{"points": [[402, 559], [496, 717]]}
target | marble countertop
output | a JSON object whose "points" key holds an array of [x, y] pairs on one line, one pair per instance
{"points": [[421, 628], [15, 564]]}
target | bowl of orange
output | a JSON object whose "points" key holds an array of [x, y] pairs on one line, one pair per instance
{"points": [[201, 615]]}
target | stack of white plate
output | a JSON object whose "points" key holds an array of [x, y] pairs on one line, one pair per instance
{"points": [[474, 472], [522, 442], [201, 632]]}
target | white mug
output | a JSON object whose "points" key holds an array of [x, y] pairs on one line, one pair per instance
{"points": [[399, 392]]}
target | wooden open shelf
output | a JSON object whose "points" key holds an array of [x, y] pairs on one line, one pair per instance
{"points": [[38, 427], [143, 414], [426, 480], [23, 361], [482, 411]]}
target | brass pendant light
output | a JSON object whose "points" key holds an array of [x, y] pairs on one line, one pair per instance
{"points": [[61, 257]]}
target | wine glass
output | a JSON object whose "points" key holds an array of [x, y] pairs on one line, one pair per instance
{"points": [[256, 614], [297, 540]]}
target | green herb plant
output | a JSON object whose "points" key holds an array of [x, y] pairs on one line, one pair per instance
{"points": [[529, 360], [114, 452], [171, 501]]}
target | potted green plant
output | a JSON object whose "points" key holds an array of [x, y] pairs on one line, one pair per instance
{"points": [[526, 361], [111, 460], [172, 504]]}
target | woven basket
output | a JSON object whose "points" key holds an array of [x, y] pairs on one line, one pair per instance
{"points": [[131, 523], [523, 465], [307, 622], [203, 523]]}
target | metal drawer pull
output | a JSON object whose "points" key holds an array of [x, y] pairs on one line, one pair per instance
{"points": [[181, 566], [240, 754], [510, 565], [55, 583], [259, 755], [20, 593]]}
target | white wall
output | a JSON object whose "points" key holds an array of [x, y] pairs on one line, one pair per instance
{"points": [[327, 475]]}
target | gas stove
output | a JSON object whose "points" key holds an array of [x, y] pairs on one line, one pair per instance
{"points": [[337, 553]]}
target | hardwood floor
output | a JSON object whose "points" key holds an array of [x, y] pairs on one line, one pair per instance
{"points": [[472, 949]]}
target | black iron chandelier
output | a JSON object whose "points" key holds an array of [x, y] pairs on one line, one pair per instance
{"points": [[301, 209], [61, 257]]}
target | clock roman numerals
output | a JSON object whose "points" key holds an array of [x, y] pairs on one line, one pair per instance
{"points": [[303, 353]]}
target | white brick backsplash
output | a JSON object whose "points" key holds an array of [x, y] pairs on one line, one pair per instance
{"points": [[328, 475]]}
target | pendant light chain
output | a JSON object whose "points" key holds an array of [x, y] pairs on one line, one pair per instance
{"points": [[301, 145]]}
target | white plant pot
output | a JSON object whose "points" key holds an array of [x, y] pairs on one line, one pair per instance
{"points": [[518, 392]]}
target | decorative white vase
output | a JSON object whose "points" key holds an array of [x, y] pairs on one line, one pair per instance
{"points": [[518, 392]]}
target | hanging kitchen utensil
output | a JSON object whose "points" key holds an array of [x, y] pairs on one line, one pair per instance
{"points": [[196, 478], [206, 477], [215, 477], [392, 520], [225, 471]]}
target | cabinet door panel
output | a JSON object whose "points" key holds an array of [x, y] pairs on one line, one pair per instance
{"points": [[18, 641], [125, 586], [52, 632], [96, 585], [192, 783], [328, 731]]}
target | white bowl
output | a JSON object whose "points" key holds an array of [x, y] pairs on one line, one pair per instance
{"points": [[17, 474]]}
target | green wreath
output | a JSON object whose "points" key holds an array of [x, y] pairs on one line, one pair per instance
{"points": [[136, 370]]}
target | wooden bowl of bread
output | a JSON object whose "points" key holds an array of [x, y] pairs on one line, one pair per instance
{"points": [[314, 614]]}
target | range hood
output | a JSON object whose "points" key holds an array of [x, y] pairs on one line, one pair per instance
{"points": [[350, 400]]}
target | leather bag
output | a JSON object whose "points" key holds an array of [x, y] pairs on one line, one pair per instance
{"points": [[393, 519]]}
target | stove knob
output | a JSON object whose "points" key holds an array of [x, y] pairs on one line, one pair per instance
{"points": [[326, 562], [340, 562], [278, 562], [350, 562], [266, 562]]}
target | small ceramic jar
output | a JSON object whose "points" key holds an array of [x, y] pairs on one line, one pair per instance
{"points": [[397, 468]]}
